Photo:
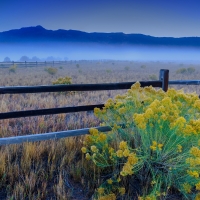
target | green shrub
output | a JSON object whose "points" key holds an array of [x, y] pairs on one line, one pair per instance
{"points": [[13, 69], [51, 70], [153, 77], [190, 70], [65, 80], [127, 68], [143, 66], [181, 71], [154, 143], [108, 70]]}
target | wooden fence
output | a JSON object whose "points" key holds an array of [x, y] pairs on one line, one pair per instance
{"points": [[30, 63], [162, 83]]}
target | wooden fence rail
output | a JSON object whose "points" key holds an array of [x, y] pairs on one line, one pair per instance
{"points": [[163, 82], [184, 82], [48, 136], [75, 87]]}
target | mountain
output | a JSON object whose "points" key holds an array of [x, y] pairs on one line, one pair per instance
{"points": [[40, 34]]}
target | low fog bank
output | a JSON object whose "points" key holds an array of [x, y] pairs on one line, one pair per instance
{"points": [[48, 52]]}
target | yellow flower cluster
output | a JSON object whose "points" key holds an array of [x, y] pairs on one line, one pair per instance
{"points": [[94, 148], [127, 169], [187, 187], [149, 197], [101, 190], [129, 165], [162, 122], [109, 103], [197, 104], [140, 120], [110, 181], [198, 186], [179, 122], [102, 137], [65, 80], [193, 161], [122, 190], [155, 146], [123, 145], [195, 151], [193, 173], [179, 148], [122, 110], [93, 131], [87, 156], [108, 197], [197, 196], [83, 149]]}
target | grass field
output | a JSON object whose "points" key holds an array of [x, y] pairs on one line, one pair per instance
{"points": [[56, 169]]}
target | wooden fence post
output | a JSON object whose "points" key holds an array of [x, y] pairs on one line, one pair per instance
{"points": [[164, 77]]}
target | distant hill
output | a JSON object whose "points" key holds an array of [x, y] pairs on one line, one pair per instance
{"points": [[39, 34]]}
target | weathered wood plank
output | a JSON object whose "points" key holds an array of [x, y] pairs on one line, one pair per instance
{"points": [[49, 111], [164, 77], [185, 82], [74, 87], [48, 136]]}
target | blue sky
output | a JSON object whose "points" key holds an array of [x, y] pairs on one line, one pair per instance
{"points": [[162, 18]]}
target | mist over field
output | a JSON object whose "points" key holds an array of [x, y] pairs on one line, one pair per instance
{"points": [[43, 44], [83, 51]]}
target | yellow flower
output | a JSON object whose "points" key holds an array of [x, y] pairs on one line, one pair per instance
{"points": [[126, 153], [109, 181], [96, 111], [122, 110], [87, 156], [119, 153], [160, 146], [100, 190], [179, 148], [153, 182], [108, 197], [153, 148], [123, 145], [187, 187], [198, 186], [102, 137], [180, 122], [148, 113], [94, 148], [118, 179], [84, 150], [154, 143], [193, 173], [93, 131], [135, 86], [197, 196], [195, 151], [132, 159], [139, 120], [122, 190], [111, 150], [164, 117], [88, 139], [197, 104], [127, 169]]}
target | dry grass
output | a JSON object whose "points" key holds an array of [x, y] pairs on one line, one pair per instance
{"points": [[55, 169]]}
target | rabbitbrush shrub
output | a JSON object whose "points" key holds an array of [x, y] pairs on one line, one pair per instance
{"points": [[154, 145], [51, 70], [65, 80]]}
